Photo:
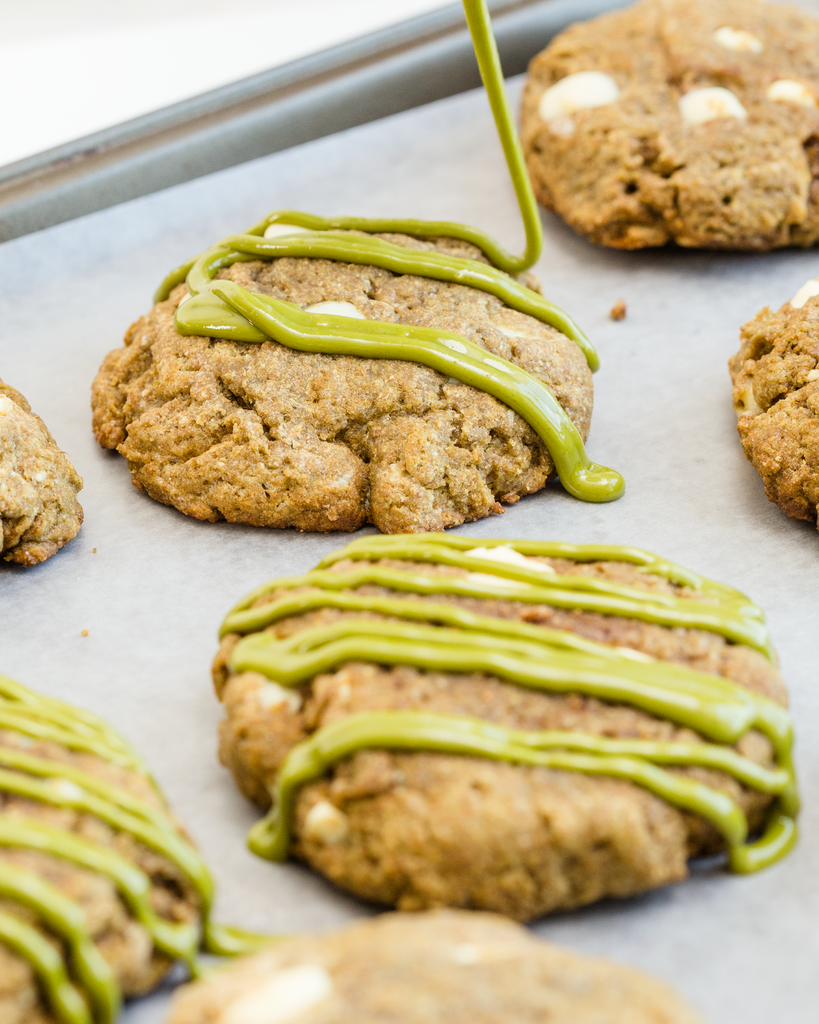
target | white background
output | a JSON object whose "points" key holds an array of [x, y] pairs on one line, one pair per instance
{"points": [[72, 67]]}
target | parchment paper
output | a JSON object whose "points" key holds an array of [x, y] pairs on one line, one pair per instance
{"points": [[743, 949]]}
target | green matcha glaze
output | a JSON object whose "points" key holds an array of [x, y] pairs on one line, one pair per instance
{"points": [[223, 309], [435, 635], [83, 990], [562, 594], [64, 1000], [440, 350], [632, 761]]}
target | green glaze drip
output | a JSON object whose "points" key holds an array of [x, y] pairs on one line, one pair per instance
{"points": [[223, 309], [440, 350], [64, 1000], [83, 989], [633, 761], [439, 636], [66, 920]]}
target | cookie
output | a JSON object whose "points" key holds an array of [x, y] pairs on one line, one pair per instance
{"points": [[693, 121], [775, 375], [443, 967], [516, 726], [39, 511], [101, 892], [261, 433]]}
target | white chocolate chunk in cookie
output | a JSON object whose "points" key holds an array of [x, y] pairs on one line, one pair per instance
{"points": [[581, 91], [813, 375], [738, 39], [280, 228], [272, 695], [506, 553], [336, 309], [786, 90], [325, 823], [701, 105], [807, 291], [466, 954], [284, 995]]}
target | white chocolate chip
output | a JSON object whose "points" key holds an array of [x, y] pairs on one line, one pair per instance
{"points": [[285, 994], [581, 91], [66, 788], [512, 332], [280, 228], [506, 553], [466, 954], [336, 309], [786, 90], [6, 405], [701, 105], [272, 695], [562, 126], [41, 476], [738, 39], [813, 375], [807, 291], [325, 823]]}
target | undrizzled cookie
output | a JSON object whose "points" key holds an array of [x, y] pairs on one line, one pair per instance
{"points": [[39, 511], [693, 121], [444, 967]]}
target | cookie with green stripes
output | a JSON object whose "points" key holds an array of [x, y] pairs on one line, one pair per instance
{"points": [[516, 726], [101, 891]]}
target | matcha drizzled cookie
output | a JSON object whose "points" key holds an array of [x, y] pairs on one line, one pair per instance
{"points": [[39, 511], [444, 967], [101, 892], [692, 121], [515, 726], [257, 432], [776, 398]]}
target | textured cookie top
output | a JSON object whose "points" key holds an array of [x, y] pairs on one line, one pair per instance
{"points": [[685, 120], [438, 968], [496, 662], [39, 511], [265, 434], [775, 375]]}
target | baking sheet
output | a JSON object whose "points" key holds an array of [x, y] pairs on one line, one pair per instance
{"points": [[743, 949]]}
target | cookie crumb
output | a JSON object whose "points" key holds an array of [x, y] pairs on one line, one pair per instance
{"points": [[84, 633], [618, 310], [93, 551]]}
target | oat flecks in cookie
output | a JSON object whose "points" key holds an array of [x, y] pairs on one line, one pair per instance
{"points": [[265, 435], [443, 967], [775, 378], [39, 511], [713, 141]]}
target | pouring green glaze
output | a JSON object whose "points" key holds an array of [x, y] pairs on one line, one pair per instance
{"points": [[81, 989], [421, 630], [223, 309]]}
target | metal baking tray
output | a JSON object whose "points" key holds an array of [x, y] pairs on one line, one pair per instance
{"points": [[393, 69], [151, 586]]}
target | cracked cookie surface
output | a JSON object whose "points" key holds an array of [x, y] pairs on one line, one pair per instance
{"points": [[444, 967], [39, 511], [265, 435], [624, 162], [775, 378]]}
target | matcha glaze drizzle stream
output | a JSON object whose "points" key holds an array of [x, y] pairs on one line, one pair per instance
{"points": [[223, 309], [83, 989], [445, 637]]}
